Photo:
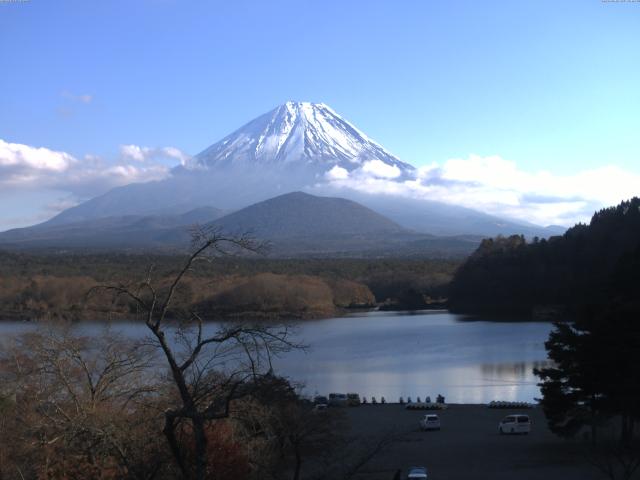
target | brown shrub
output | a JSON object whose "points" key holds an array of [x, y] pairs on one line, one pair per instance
{"points": [[44, 294], [282, 295], [263, 295], [350, 294]]}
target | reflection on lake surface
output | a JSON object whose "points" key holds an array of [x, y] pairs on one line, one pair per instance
{"points": [[392, 354]]}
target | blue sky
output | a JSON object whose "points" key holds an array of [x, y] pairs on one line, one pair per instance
{"points": [[551, 86]]}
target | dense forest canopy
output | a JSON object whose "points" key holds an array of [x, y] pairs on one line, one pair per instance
{"points": [[589, 264]]}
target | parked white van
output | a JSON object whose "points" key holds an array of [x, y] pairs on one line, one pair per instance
{"points": [[514, 424]]}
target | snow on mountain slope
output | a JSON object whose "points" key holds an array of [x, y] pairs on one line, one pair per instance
{"points": [[298, 134]]}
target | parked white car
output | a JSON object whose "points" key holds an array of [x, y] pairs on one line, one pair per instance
{"points": [[417, 473], [431, 421], [515, 424]]}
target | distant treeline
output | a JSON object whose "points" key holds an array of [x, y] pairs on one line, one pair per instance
{"points": [[590, 265], [56, 285]]}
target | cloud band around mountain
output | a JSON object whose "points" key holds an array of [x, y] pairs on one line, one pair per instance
{"points": [[497, 186], [489, 184]]}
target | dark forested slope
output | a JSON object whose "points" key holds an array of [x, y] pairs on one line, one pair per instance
{"points": [[589, 264]]}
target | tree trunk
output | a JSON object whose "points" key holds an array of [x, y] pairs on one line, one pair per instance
{"points": [[200, 437], [296, 473], [169, 431], [625, 433], [594, 427]]}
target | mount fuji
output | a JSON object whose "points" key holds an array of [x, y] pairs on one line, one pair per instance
{"points": [[303, 136], [291, 148], [298, 146]]}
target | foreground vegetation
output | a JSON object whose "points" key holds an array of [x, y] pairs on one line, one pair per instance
{"points": [[97, 408]]}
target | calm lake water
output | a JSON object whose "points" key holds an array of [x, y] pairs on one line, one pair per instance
{"points": [[393, 354]]}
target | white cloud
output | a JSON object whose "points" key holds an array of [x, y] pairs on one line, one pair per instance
{"points": [[82, 98], [338, 173], [17, 159], [25, 167], [42, 182], [379, 169], [498, 186], [179, 155], [143, 154], [134, 152]]}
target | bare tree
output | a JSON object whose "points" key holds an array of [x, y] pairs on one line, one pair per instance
{"points": [[75, 405], [353, 460], [615, 460], [287, 438], [290, 440], [209, 369]]}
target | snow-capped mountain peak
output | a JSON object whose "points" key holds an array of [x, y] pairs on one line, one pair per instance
{"points": [[298, 134]]}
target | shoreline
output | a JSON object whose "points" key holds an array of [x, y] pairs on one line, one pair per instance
{"points": [[271, 317]]}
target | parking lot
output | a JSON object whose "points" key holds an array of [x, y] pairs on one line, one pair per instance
{"points": [[468, 446]]}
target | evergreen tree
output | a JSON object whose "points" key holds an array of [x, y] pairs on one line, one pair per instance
{"points": [[595, 377], [593, 263]]}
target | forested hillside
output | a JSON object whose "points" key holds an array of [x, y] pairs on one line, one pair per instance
{"points": [[55, 286], [590, 264]]}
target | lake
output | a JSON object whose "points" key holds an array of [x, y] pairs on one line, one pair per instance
{"points": [[395, 354]]}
